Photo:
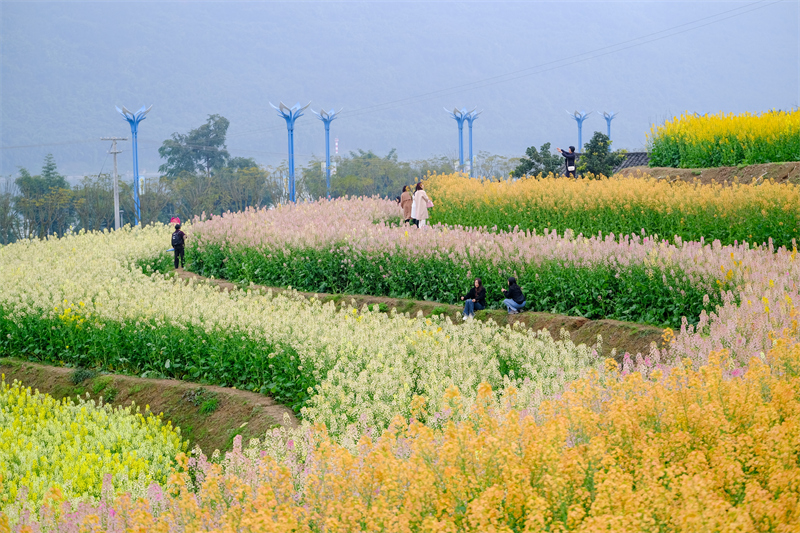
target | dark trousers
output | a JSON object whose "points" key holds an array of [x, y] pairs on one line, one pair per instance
{"points": [[179, 254]]}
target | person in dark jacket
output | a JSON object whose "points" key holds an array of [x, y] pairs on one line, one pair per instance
{"points": [[569, 160], [515, 300], [178, 242], [475, 300]]}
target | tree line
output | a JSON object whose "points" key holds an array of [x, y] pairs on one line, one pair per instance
{"points": [[200, 176]]}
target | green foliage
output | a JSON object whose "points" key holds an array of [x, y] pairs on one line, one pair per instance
{"points": [[162, 263], [209, 406], [206, 400], [541, 161], [364, 173], [636, 294], [93, 202], [44, 203], [200, 150], [79, 375], [597, 158], [225, 358]]}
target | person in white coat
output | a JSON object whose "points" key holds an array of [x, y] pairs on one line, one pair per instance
{"points": [[414, 221], [422, 203]]}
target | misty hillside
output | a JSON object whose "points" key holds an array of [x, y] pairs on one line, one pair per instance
{"points": [[64, 67]]}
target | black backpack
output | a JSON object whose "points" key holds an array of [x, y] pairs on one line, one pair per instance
{"points": [[177, 239]]}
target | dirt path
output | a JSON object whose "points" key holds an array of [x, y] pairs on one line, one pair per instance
{"points": [[779, 172], [620, 336], [208, 416]]}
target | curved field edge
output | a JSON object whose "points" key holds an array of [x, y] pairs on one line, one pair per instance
{"points": [[618, 338], [208, 416], [656, 295]]}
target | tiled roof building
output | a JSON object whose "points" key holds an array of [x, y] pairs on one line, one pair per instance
{"points": [[634, 159]]}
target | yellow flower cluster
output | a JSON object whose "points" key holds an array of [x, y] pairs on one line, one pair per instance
{"points": [[694, 141], [694, 450], [47, 444], [622, 205]]}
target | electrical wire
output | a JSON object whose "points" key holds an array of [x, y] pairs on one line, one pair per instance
{"points": [[493, 80], [539, 69]]}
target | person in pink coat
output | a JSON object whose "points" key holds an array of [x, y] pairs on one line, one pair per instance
{"points": [[422, 203]]}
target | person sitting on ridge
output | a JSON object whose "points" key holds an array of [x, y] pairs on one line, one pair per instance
{"points": [[515, 300], [475, 299]]}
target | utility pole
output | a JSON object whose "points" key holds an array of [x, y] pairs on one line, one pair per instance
{"points": [[116, 184]]}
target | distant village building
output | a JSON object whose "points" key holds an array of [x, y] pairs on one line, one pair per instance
{"points": [[634, 159]]}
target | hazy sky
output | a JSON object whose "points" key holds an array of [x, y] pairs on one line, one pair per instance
{"points": [[392, 66]]}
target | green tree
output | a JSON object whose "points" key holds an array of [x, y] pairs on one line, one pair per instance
{"points": [[94, 202], [242, 186], [536, 162], [156, 200], [201, 150], [597, 158], [44, 202], [196, 194]]}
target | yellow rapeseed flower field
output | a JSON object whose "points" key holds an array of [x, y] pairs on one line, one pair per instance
{"points": [[700, 141], [47, 444], [622, 206]]}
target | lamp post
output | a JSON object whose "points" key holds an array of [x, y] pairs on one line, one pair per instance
{"points": [[134, 119], [471, 117], [609, 117], [327, 117], [579, 118], [290, 115], [460, 115]]}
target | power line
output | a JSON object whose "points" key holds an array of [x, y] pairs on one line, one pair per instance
{"points": [[617, 49], [494, 80], [577, 58], [46, 144], [538, 69]]}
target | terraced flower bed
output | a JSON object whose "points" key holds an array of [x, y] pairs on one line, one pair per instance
{"points": [[418, 423]]}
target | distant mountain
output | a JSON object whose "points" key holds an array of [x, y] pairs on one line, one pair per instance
{"points": [[392, 66]]}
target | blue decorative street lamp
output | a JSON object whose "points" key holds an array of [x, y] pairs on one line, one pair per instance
{"points": [[579, 118], [460, 115], [290, 115], [327, 117], [609, 117], [471, 117], [134, 119]]}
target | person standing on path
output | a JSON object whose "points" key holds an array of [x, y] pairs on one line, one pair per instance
{"points": [[515, 300], [422, 203], [475, 300], [405, 204], [178, 242], [569, 160]]}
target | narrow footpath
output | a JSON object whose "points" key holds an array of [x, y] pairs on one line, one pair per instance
{"points": [[620, 336]]}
